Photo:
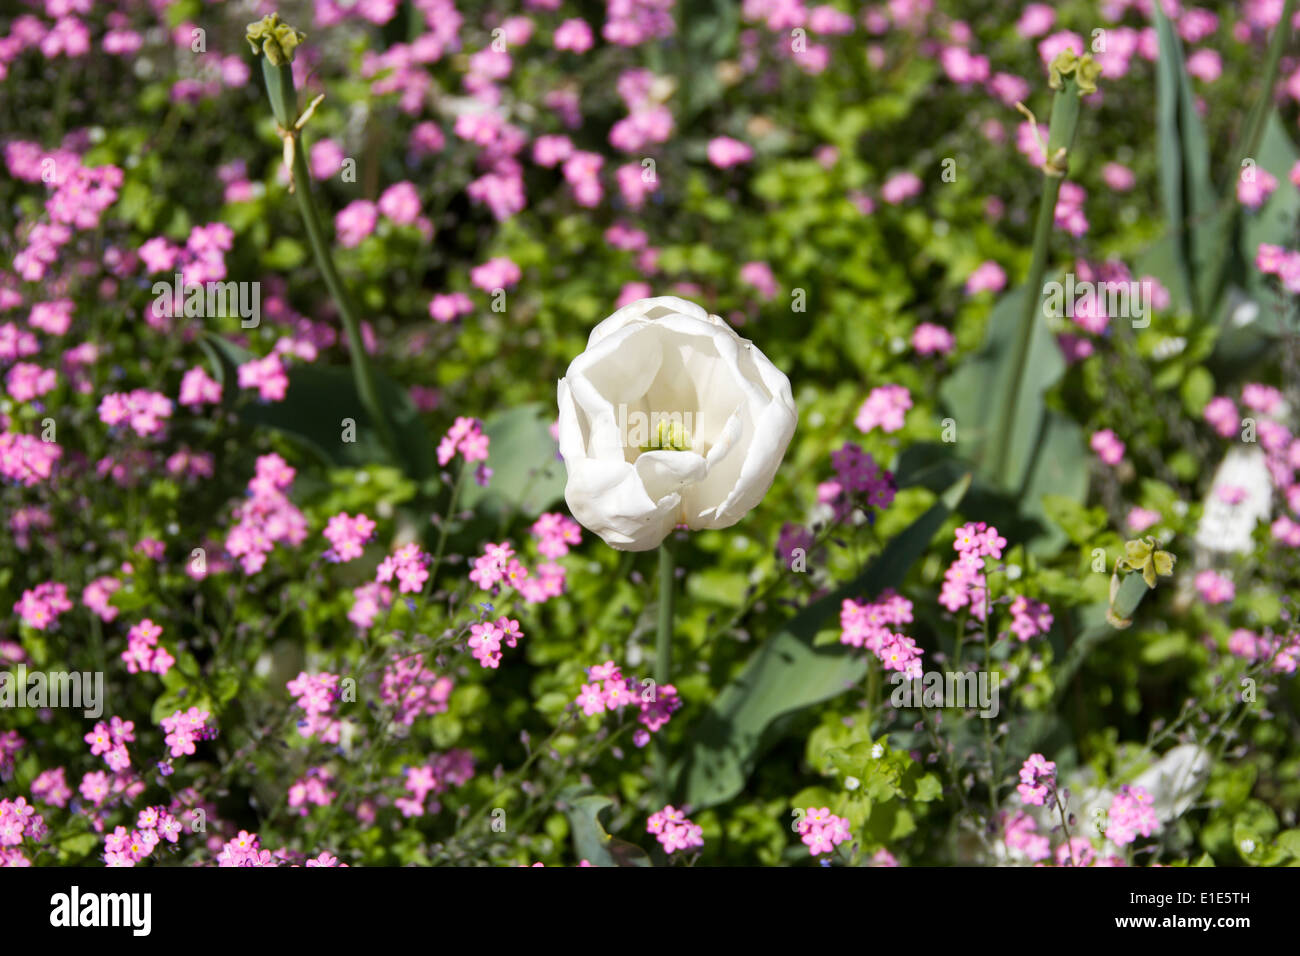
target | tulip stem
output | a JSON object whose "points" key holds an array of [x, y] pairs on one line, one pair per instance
{"points": [[280, 90], [664, 656]]}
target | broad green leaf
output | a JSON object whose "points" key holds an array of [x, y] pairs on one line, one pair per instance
{"points": [[787, 674], [1184, 162], [527, 471], [592, 843]]}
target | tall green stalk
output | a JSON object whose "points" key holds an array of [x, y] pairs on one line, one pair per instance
{"points": [[1254, 136], [1072, 79], [664, 657], [276, 42]]}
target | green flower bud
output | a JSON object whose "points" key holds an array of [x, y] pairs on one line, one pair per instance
{"points": [[1060, 67], [1086, 74], [274, 38]]}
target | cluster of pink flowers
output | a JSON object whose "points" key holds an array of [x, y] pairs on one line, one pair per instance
{"points": [[449, 306], [673, 831], [465, 436], [184, 728], [899, 188], [39, 607], [1020, 832], [610, 691], [367, 603], [1037, 780], [964, 582], [144, 411], [1255, 184], [1107, 446], [486, 639], [870, 625], [1215, 588], [1273, 260], [143, 654], [1069, 209], [154, 825], [987, 277], [858, 482], [267, 517], [109, 740], [355, 221], [822, 831], [311, 790], [633, 22], [725, 152], [409, 565], [244, 850], [885, 408], [451, 769], [1131, 815], [1030, 618], [18, 820], [498, 273], [499, 566], [931, 339], [1284, 652], [347, 536], [316, 694], [267, 375], [413, 690], [25, 459], [555, 533], [198, 388]]}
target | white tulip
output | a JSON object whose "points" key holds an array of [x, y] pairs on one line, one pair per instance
{"points": [[669, 417]]}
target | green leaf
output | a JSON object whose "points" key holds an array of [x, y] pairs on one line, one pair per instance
{"points": [[320, 398], [528, 474], [787, 674], [592, 843], [975, 394], [1184, 161]]}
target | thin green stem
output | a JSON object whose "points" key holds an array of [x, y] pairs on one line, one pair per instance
{"points": [[1064, 122], [280, 90], [664, 655]]}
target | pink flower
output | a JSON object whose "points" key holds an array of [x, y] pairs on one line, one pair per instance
{"points": [[409, 565], [400, 203], [900, 187], [987, 277], [725, 152], [673, 831], [1222, 415], [498, 273], [347, 536], [931, 339], [197, 388], [759, 275], [885, 407], [1131, 815], [1107, 446], [1215, 588], [448, 307], [355, 221], [1254, 185], [1139, 519], [466, 437], [1037, 780], [1205, 64], [573, 34], [1117, 177]]}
